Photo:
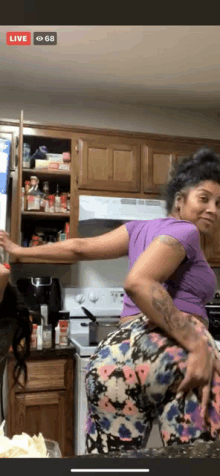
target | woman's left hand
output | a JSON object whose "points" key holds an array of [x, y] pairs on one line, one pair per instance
{"points": [[207, 362]]}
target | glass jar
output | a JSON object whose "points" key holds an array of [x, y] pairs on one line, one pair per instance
{"points": [[26, 156]]}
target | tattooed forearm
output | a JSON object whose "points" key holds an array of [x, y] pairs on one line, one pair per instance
{"points": [[156, 303], [176, 320]]}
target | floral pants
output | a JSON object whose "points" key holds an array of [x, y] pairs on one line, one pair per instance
{"points": [[131, 380]]}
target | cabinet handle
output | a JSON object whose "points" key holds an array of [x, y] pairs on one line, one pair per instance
{"points": [[16, 160], [16, 142]]}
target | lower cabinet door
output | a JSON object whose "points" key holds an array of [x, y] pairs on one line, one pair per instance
{"points": [[41, 412]]}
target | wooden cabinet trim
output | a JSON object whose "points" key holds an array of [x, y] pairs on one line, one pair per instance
{"points": [[181, 141], [37, 398]]}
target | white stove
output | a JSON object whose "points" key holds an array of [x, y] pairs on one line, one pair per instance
{"points": [[103, 303]]}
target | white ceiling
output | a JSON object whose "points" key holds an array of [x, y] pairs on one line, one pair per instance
{"points": [[169, 66]]}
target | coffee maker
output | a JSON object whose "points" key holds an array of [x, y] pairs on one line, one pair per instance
{"points": [[44, 295]]}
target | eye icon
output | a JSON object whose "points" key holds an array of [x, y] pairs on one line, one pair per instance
{"points": [[39, 38]]}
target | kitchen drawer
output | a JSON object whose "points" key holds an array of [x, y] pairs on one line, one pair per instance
{"points": [[45, 375]]}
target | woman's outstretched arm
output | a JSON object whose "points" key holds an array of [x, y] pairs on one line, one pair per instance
{"points": [[107, 246]]}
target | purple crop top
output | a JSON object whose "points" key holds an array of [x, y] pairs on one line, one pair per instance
{"points": [[194, 283]]}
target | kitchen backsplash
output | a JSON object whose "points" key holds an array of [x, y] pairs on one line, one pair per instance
{"points": [[85, 274]]}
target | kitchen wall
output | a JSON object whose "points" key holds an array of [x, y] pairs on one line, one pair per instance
{"points": [[53, 109]]}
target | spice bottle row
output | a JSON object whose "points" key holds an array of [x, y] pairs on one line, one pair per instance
{"points": [[33, 199]]}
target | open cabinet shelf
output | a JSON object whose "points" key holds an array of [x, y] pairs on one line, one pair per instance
{"points": [[26, 224], [47, 172], [52, 216]]}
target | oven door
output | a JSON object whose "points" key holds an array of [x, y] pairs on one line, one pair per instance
{"points": [[80, 407]]}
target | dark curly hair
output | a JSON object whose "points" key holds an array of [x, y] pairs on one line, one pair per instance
{"points": [[185, 175], [14, 306]]}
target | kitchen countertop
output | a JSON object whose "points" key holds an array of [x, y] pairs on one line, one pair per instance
{"points": [[199, 449], [52, 353]]}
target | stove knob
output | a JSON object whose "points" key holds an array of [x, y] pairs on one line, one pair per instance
{"points": [[80, 298], [93, 297], [216, 323]]}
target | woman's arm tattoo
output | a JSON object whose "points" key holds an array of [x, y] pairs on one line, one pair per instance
{"points": [[170, 241], [175, 320]]}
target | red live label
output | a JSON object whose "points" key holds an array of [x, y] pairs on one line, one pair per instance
{"points": [[18, 38]]}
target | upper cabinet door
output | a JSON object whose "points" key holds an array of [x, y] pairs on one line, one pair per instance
{"points": [[156, 163], [16, 196], [108, 163]]}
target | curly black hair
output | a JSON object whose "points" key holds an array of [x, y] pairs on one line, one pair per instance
{"points": [[190, 172], [14, 306]]}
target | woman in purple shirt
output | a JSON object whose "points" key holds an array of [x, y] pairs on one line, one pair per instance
{"points": [[162, 361]]}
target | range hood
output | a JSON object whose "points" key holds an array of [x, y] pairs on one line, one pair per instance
{"points": [[111, 209]]}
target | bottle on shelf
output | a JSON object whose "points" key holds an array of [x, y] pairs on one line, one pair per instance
{"points": [[46, 197], [51, 203], [63, 202], [27, 186], [68, 202], [57, 201], [22, 199], [34, 196]]}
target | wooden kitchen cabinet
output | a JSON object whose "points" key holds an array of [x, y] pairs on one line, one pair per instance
{"points": [[108, 163], [156, 166], [26, 223], [157, 160], [46, 404]]}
